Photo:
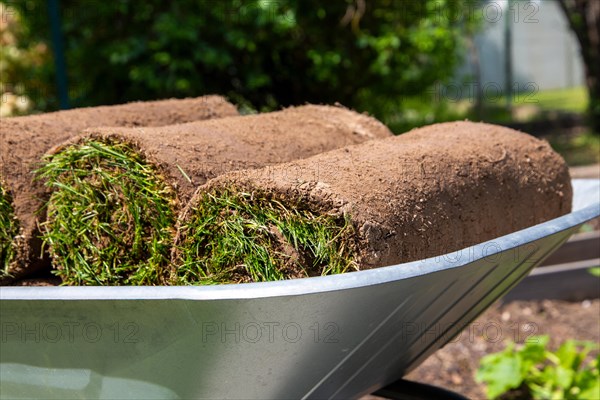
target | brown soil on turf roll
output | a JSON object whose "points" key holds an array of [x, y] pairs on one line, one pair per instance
{"points": [[206, 149], [188, 155], [428, 192], [24, 140], [54, 281]]}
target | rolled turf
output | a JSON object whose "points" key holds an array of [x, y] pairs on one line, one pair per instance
{"points": [[23, 142], [116, 193], [9, 227], [425, 193]]}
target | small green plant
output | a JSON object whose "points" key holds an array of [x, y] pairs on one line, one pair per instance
{"points": [[234, 236], [9, 228], [540, 373]]}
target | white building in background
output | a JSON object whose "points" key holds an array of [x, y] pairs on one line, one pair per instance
{"points": [[544, 49]]}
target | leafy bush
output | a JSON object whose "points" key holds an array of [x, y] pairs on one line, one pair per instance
{"points": [[21, 61], [263, 54], [542, 373]]}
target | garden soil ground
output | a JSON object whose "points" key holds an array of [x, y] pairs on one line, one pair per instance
{"points": [[453, 367]]}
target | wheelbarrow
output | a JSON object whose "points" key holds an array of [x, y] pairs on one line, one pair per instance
{"points": [[338, 336]]}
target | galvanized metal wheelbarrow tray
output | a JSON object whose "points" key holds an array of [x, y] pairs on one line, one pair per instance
{"points": [[327, 337]]}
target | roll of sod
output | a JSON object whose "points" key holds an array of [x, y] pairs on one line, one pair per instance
{"points": [[24, 140], [116, 193], [425, 193]]}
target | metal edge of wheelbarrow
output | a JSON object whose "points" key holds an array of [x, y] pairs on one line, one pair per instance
{"points": [[325, 337]]}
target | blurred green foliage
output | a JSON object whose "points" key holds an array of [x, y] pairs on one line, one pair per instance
{"points": [[23, 62], [262, 54]]}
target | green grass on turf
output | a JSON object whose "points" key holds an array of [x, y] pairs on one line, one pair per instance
{"points": [[110, 216], [9, 228], [234, 236]]}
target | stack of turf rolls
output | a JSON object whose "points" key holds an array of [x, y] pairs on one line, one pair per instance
{"points": [[23, 142], [306, 191], [427, 192], [116, 193]]}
